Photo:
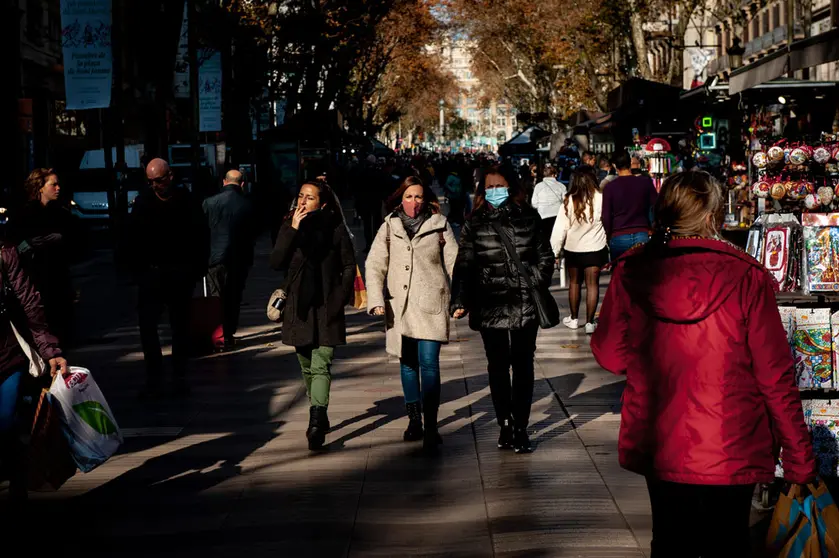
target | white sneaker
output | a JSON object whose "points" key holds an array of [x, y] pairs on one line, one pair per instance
{"points": [[590, 328], [570, 323]]}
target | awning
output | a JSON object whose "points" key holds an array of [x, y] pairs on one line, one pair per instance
{"points": [[765, 69], [807, 53], [815, 51]]}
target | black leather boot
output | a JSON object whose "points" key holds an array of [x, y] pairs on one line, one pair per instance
{"points": [[505, 439], [431, 439], [318, 427], [521, 441], [414, 431]]}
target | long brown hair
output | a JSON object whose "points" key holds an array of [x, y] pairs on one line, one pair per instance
{"points": [[327, 196], [684, 203], [36, 180], [581, 191], [428, 196], [517, 195]]}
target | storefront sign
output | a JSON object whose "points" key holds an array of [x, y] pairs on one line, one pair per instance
{"points": [[86, 44], [209, 91]]}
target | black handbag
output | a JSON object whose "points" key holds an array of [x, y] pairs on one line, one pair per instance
{"points": [[546, 309]]}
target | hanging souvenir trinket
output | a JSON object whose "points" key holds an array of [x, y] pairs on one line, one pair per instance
{"points": [[775, 154], [760, 160], [825, 195], [798, 156], [778, 191], [811, 201], [761, 189], [821, 155]]}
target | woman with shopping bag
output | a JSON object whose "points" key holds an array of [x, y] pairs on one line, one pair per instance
{"points": [[409, 272], [315, 249], [710, 393], [27, 350]]}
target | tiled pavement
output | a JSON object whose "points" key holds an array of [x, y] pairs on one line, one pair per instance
{"points": [[227, 472]]}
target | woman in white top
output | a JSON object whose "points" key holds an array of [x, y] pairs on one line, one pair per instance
{"points": [[579, 233], [547, 199]]}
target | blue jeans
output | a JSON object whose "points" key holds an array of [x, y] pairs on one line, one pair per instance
{"points": [[620, 244], [8, 401], [419, 358]]}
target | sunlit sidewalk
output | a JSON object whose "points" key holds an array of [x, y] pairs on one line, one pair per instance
{"points": [[227, 472]]}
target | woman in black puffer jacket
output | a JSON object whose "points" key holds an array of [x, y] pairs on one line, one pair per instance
{"points": [[488, 287]]}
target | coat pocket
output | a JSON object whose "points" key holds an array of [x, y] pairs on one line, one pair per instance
{"points": [[431, 301]]}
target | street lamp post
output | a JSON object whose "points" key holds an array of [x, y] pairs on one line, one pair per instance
{"points": [[442, 119]]}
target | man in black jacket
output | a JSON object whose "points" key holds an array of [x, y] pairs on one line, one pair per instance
{"points": [[168, 243], [232, 235]]}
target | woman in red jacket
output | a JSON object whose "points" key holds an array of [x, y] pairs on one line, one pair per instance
{"points": [[693, 323]]}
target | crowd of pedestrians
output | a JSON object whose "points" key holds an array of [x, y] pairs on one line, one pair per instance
{"points": [[702, 434]]}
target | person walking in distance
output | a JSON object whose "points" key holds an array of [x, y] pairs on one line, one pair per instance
{"points": [[487, 286], [710, 397], [167, 243], [409, 272], [547, 199], [232, 235], [627, 208], [580, 238], [44, 234], [315, 248]]}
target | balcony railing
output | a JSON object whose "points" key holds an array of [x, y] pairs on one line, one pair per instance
{"points": [[772, 40]]}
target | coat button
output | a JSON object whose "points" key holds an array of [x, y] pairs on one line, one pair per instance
{"points": [[404, 287], [407, 268], [409, 248]]}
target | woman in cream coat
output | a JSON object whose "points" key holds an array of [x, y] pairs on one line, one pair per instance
{"points": [[409, 273]]}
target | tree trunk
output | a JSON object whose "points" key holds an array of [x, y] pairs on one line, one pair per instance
{"points": [[594, 83], [639, 41]]}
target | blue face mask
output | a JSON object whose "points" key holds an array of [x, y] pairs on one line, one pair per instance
{"points": [[497, 196]]}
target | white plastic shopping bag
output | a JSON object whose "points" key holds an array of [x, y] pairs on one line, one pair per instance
{"points": [[89, 424]]}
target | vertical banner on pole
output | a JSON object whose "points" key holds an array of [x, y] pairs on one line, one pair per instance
{"points": [[209, 90], [86, 44], [181, 83]]}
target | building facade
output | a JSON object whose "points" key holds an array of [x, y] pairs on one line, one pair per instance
{"points": [[491, 122]]}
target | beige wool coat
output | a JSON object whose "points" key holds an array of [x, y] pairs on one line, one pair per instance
{"points": [[418, 273]]}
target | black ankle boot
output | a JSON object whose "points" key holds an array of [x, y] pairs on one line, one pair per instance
{"points": [[430, 405], [414, 431], [521, 442], [505, 439], [318, 427]]}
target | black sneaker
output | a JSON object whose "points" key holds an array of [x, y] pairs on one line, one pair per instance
{"points": [[521, 443], [505, 440]]}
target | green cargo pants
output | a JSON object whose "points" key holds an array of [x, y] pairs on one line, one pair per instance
{"points": [[316, 364]]}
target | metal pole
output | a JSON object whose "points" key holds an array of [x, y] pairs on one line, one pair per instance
{"points": [[192, 55]]}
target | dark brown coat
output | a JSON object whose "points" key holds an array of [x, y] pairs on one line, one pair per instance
{"points": [[324, 323]]}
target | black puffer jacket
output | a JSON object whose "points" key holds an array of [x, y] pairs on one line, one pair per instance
{"points": [[486, 282]]}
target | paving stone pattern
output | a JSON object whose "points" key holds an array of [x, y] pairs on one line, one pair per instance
{"points": [[227, 472]]}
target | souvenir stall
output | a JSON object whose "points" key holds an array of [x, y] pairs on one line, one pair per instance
{"points": [[796, 238], [655, 154]]}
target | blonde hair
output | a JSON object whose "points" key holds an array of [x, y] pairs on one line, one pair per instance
{"points": [[36, 180], [684, 203]]}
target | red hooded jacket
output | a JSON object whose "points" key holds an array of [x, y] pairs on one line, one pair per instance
{"points": [[710, 390]]}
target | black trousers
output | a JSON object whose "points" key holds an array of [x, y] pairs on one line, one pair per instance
{"points": [[700, 521], [228, 282], [505, 349], [157, 292]]}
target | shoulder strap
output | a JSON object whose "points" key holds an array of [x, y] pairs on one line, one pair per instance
{"points": [[511, 253]]}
